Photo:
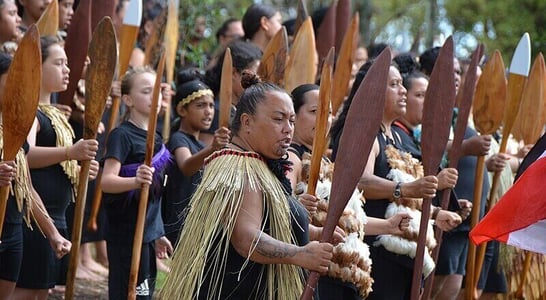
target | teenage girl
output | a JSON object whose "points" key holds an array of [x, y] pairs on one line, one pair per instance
{"points": [[123, 175]]}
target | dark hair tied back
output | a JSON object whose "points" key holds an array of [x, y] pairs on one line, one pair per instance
{"points": [[249, 78]]}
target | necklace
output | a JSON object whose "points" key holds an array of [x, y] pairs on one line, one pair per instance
{"points": [[238, 146]]}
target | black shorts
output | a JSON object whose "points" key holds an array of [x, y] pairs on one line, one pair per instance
{"points": [[119, 263], [453, 254], [11, 252], [392, 274], [40, 268]]}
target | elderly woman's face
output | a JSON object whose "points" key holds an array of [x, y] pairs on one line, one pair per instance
{"points": [[269, 131], [395, 99]]}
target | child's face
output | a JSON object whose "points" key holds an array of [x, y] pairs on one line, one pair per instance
{"points": [[66, 11], [9, 20], [199, 113], [141, 94], [55, 70]]}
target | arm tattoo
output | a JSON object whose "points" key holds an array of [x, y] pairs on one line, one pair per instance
{"points": [[272, 248]]}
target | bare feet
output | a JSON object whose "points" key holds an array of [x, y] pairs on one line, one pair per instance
{"points": [[84, 273], [95, 267]]}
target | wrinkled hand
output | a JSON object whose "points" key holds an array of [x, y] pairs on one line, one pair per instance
{"points": [[93, 169], [447, 178], [310, 203], [144, 175], [163, 248], [477, 145], [83, 150], [424, 187], [399, 223], [497, 162], [221, 138], [8, 170], [447, 220], [315, 256], [466, 208], [60, 245]]}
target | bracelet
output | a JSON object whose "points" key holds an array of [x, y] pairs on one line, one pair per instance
{"points": [[66, 155], [435, 211]]}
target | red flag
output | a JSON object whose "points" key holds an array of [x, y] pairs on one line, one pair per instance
{"points": [[519, 218]]}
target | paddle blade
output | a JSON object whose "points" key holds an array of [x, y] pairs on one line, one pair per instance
{"points": [[530, 120], [301, 15], [490, 96], [360, 130], [343, 19], [327, 32], [303, 60], [274, 59], [101, 9], [226, 89], [171, 40], [128, 34], [321, 122], [48, 24], [21, 93], [438, 108], [154, 42], [344, 64], [103, 54]]}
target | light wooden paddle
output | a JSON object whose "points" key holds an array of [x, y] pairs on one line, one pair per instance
{"points": [[128, 35], [359, 133], [103, 54], [436, 123], [171, 44], [302, 60], [48, 24], [274, 58], [320, 138], [20, 101], [76, 45], [326, 32], [155, 39], [226, 90], [301, 15], [145, 189], [466, 98], [344, 64]]}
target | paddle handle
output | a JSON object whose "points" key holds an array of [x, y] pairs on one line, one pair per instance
{"points": [[4, 195], [420, 252], [309, 290], [79, 211], [480, 256], [95, 205], [526, 267], [137, 242]]}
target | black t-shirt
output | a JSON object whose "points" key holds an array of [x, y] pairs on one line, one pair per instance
{"points": [[127, 144], [179, 188], [51, 183]]}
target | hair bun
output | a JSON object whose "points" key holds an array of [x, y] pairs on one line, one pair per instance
{"points": [[249, 78], [406, 63]]}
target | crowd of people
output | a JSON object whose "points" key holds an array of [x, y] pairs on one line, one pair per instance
{"points": [[228, 212]]}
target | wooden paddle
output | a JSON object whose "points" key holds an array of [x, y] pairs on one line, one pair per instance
{"points": [[321, 122], [302, 61], [20, 102], [530, 121], [301, 15], [343, 19], [327, 32], [519, 71], [143, 201], [103, 53], [48, 24], [344, 64], [359, 133], [101, 9], [128, 35], [436, 123], [76, 45], [226, 90], [274, 59], [171, 45], [466, 98], [154, 43]]}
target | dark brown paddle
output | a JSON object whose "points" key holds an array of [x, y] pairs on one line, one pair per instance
{"points": [[327, 32], [302, 60], [128, 35], [226, 89], [48, 24], [344, 64], [343, 19], [171, 44], [359, 133], [103, 53], [20, 101], [144, 192], [436, 123], [321, 123], [101, 9], [76, 44], [274, 59]]}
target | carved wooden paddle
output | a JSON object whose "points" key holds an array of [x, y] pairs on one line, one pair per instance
{"points": [[128, 35], [327, 32], [301, 15], [101, 9], [343, 19], [436, 123], [103, 54], [321, 123], [344, 64], [171, 44], [48, 24], [144, 192], [302, 60], [359, 133], [20, 101], [226, 89], [274, 58]]}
